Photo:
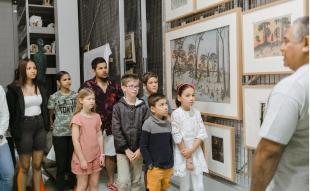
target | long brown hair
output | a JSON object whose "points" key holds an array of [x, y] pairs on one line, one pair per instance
{"points": [[21, 75], [81, 95], [180, 89]]}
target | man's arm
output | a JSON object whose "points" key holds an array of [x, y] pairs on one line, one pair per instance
{"points": [[265, 163]]}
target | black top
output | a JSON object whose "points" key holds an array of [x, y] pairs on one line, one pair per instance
{"points": [[16, 105]]}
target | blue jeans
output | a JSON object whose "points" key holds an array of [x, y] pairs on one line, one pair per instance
{"points": [[6, 168]]}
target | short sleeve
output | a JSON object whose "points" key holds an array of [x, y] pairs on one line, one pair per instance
{"points": [[281, 118], [51, 102], [176, 131], [99, 123], [76, 120]]}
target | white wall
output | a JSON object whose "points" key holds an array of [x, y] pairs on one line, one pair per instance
{"points": [[7, 62], [67, 39]]}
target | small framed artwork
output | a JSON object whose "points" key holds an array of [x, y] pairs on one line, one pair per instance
{"points": [[130, 51], [178, 8], [255, 100], [205, 4], [263, 31], [221, 150], [207, 55]]}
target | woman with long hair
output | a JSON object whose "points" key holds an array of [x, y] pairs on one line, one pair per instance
{"points": [[27, 102]]}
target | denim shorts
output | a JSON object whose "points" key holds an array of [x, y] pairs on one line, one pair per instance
{"points": [[33, 135]]}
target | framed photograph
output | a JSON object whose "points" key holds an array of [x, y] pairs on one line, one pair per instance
{"points": [[255, 100], [205, 4], [263, 31], [130, 51], [178, 8], [221, 150], [207, 55]]}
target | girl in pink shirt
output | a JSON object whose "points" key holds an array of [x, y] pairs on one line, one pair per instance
{"points": [[88, 157]]}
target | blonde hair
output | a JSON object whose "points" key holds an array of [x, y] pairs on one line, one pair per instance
{"points": [[81, 95]]}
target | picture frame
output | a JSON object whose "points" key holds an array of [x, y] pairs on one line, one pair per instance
{"points": [[189, 59], [206, 4], [263, 30], [130, 48], [255, 100], [221, 151], [175, 9]]}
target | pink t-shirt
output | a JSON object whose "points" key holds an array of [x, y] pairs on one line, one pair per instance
{"points": [[89, 126]]}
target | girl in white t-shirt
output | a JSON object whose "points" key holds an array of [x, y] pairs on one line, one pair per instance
{"points": [[188, 132]]}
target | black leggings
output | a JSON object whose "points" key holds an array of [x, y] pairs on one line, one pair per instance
{"points": [[63, 147], [33, 135]]}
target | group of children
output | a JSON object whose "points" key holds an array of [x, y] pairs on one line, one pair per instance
{"points": [[144, 133]]}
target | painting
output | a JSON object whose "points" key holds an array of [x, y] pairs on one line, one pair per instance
{"points": [[175, 9], [217, 149], [205, 4], [255, 100], [130, 52], [268, 35], [221, 150], [263, 29], [203, 59], [206, 54]]}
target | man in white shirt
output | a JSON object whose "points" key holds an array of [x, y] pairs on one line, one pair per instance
{"points": [[281, 160], [282, 156], [6, 163]]}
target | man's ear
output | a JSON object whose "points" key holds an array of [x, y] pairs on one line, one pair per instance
{"points": [[306, 44]]}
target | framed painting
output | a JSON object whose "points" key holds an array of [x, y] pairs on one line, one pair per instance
{"points": [[205, 4], [206, 54], [221, 150], [263, 30], [130, 48], [255, 100], [178, 8]]}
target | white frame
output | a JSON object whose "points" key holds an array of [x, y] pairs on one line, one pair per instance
{"points": [[205, 4], [232, 110], [252, 97], [268, 65], [182, 11], [227, 169]]}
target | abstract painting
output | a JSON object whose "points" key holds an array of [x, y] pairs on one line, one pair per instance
{"points": [[221, 150], [207, 55], [263, 31]]}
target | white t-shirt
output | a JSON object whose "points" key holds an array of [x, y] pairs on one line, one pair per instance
{"points": [[287, 122]]}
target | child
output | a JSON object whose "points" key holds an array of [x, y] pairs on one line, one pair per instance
{"points": [[127, 120], [150, 86], [62, 103], [87, 140], [156, 144], [188, 132]]}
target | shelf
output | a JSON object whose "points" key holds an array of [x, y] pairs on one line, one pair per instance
{"points": [[33, 6], [47, 54], [42, 30], [22, 18], [51, 71]]}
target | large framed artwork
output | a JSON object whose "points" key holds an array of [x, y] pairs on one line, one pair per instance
{"points": [[255, 100], [263, 30], [178, 8], [207, 55], [221, 150]]}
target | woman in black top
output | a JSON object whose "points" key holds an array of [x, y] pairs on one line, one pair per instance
{"points": [[27, 102]]}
